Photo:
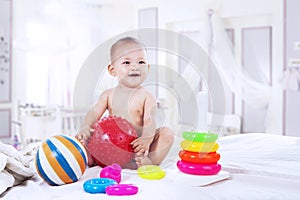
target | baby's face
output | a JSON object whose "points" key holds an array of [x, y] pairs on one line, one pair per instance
{"points": [[131, 66]]}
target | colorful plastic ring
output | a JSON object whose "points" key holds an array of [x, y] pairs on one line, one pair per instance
{"points": [[199, 137], [199, 146], [198, 169], [112, 171], [199, 157], [97, 185], [151, 172], [121, 190]]}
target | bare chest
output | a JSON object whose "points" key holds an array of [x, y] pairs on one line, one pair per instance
{"points": [[128, 106]]}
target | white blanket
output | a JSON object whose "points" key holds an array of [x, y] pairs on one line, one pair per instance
{"points": [[15, 166], [261, 166]]}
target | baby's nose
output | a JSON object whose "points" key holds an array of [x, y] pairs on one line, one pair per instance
{"points": [[134, 66]]}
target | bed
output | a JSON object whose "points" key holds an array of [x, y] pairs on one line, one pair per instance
{"points": [[255, 165]]}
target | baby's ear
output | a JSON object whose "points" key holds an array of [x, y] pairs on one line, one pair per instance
{"points": [[148, 67], [111, 70]]}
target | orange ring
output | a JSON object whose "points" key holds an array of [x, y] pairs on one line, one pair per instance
{"points": [[199, 157]]}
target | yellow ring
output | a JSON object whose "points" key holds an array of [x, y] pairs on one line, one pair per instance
{"points": [[151, 172], [199, 146]]}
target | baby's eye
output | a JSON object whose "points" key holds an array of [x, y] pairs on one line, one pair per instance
{"points": [[126, 62], [142, 62]]}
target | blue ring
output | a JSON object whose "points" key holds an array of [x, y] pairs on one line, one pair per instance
{"points": [[97, 185]]}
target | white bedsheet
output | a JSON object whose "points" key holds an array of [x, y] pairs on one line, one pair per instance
{"points": [[261, 166]]}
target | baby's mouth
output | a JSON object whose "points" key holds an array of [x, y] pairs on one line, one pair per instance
{"points": [[134, 75]]}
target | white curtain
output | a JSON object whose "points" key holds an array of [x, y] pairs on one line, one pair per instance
{"points": [[253, 92], [214, 40]]}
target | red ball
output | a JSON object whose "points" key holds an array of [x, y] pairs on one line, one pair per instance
{"points": [[110, 142]]}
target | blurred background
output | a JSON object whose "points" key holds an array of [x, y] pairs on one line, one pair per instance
{"points": [[255, 45]]}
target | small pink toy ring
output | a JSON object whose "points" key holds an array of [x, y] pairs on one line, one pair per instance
{"points": [[112, 171], [121, 190], [198, 169]]}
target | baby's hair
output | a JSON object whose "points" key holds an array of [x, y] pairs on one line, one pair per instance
{"points": [[124, 41]]}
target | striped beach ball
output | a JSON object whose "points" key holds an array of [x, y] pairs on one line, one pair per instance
{"points": [[60, 160]]}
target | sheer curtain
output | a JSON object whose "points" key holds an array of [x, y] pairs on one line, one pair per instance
{"points": [[215, 41], [256, 93], [241, 83]]}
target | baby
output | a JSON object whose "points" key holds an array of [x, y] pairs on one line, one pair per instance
{"points": [[132, 102]]}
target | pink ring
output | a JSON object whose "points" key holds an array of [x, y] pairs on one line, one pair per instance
{"points": [[112, 171], [121, 190], [198, 169]]}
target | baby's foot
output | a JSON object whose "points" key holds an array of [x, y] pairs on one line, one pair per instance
{"points": [[143, 160], [131, 165]]}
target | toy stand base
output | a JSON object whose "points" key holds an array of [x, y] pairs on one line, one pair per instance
{"points": [[197, 180]]}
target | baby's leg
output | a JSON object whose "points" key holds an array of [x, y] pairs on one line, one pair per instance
{"points": [[159, 148]]}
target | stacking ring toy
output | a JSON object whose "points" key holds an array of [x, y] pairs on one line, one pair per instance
{"points": [[198, 169], [151, 172], [199, 146], [112, 171], [199, 137], [199, 157], [97, 185], [121, 190]]}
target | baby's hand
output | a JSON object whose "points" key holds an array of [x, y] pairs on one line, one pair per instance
{"points": [[141, 145], [84, 135]]}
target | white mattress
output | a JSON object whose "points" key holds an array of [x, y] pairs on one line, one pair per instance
{"points": [[261, 166]]}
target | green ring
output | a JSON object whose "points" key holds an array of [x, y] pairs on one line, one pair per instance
{"points": [[199, 137]]}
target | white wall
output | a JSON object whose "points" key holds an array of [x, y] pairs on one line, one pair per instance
{"points": [[236, 8]]}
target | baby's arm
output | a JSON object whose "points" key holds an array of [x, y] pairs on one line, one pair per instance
{"points": [[141, 145], [92, 116]]}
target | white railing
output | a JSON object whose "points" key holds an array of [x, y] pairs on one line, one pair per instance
{"points": [[71, 120], [38, 123]]}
